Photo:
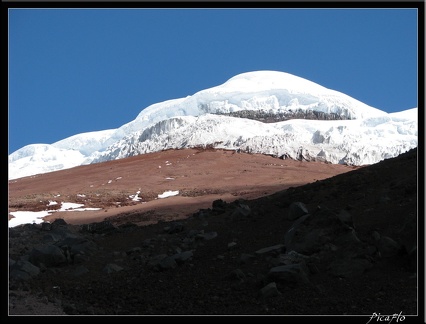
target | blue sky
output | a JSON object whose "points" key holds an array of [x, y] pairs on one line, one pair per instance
{"points": [[80, 70]]}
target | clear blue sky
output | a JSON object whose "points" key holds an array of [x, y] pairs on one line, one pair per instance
{"points": [[79, 70]]}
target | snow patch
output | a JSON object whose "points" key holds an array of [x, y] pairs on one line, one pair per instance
{"points": [[168, 194], [136, 197], [30, 217]]}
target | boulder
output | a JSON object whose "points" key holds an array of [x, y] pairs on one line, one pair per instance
{"points": [[174, 227], [48, 255], [292, 257], [155, 260], [237, 274], [46, 226], [166, 263], [219, 206], [111, 267], [275, 249], [182, 256], [349, 267], [77, 245], [296, 210], [104, 227], [270, 290], [292, 274], [58, 222], [241, 212], [23, 270], [310, 233], [206, 236]]}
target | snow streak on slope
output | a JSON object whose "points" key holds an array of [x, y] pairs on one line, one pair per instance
{"points": [[188, 122], [355, 142]]}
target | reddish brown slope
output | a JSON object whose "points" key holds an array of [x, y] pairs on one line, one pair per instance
{"points": [[200, 176]]}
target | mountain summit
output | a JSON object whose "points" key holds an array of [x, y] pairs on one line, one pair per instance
{"points": [[266, 112]]}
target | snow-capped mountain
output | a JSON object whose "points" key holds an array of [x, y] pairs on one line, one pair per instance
{"points": [[354, 134]]}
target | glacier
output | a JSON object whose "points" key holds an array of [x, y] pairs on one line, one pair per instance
{"points": [[360, 135]]}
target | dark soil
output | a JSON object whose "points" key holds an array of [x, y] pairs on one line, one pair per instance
{"points": [[220, 278]]}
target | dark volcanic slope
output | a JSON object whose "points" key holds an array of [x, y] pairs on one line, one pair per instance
{"points": [[352, 250]]}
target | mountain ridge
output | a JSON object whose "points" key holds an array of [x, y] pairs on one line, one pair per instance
{"points": [[265, 92]]}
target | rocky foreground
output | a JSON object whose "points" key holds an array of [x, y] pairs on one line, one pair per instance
{"points": [[346, 245]]}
